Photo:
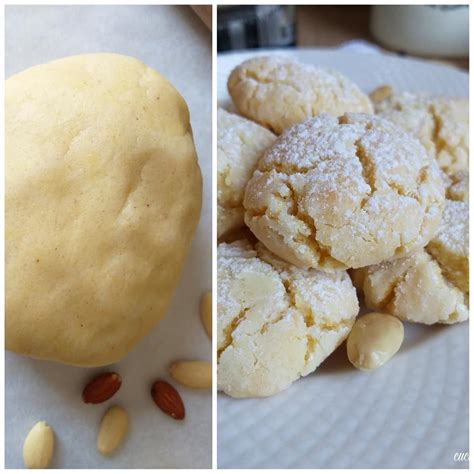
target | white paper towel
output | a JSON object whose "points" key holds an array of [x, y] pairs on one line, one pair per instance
{"points": [[173, 41]]}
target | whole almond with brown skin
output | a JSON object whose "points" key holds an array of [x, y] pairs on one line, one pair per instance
{"points": [[168, 399], [101, 388]]}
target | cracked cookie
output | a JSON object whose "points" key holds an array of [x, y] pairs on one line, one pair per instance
{"points": [[103, 195], [240, 143], [278, 92], [429, 286], [275, 322], [337, 193], [441, 124]]}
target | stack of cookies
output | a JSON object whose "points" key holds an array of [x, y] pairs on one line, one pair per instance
{"points": [[322, 190]]}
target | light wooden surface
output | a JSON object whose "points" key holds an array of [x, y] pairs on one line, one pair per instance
{"points": [[204, 12], [331, 25]]}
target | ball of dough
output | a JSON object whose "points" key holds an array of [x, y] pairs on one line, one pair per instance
{"points": [[441, 124], [413, 288], [103, 195], [278, 92], [240, 144], [344, 193], [275, 322]]}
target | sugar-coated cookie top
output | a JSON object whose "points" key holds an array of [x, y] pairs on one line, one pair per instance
{"points": [[413, 288], [337, 193], [440, 123], [277, 92], [275, 322]]}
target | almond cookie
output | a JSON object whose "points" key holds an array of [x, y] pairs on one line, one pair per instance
{"points": [[344, 193], [441, 124], [413, 288], [278, 92], [275, 322], [429, 286], [240, 143]]}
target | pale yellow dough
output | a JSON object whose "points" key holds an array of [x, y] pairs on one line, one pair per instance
{"points": [[275, 322], [277, 92], [240, 143], [103, 195], [440, 123], [429, 286], [344, 193]]}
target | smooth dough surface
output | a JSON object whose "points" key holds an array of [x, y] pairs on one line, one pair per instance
{"points": [[344, 193], [277, 92], [429, 286], [103, 195], [240, 143], [440, 123], [275, 322]]}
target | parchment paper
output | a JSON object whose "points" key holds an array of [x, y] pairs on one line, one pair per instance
{"points": [[175, 42]]}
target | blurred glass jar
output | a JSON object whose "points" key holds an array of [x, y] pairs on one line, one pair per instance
{"points": [[255, 26], [426, 30]]}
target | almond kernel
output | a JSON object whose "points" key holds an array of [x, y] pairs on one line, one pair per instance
{"points": [[102, 387], [168, 399], [113, 428], [38, 448], [192, 373]]}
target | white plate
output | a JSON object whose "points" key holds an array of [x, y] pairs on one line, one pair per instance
{"points": [[173, 41], [411, 413]]}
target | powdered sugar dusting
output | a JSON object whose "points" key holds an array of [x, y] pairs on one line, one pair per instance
{"points": [[278, 92], [351, 182], [441, 124], [264, 301]]}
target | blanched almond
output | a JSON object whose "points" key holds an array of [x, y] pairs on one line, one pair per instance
{"points": [[374, 339], [206, 312], [113, 428], [38, 448], [192, 373]]}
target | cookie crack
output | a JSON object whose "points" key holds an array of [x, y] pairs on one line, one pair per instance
{"points": [[446, 275], [321, 251], [312, 321], [385, 302], [268, 81], [308, 318], [439, 144], [229, 330], [367, 173], [311, 343]]}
